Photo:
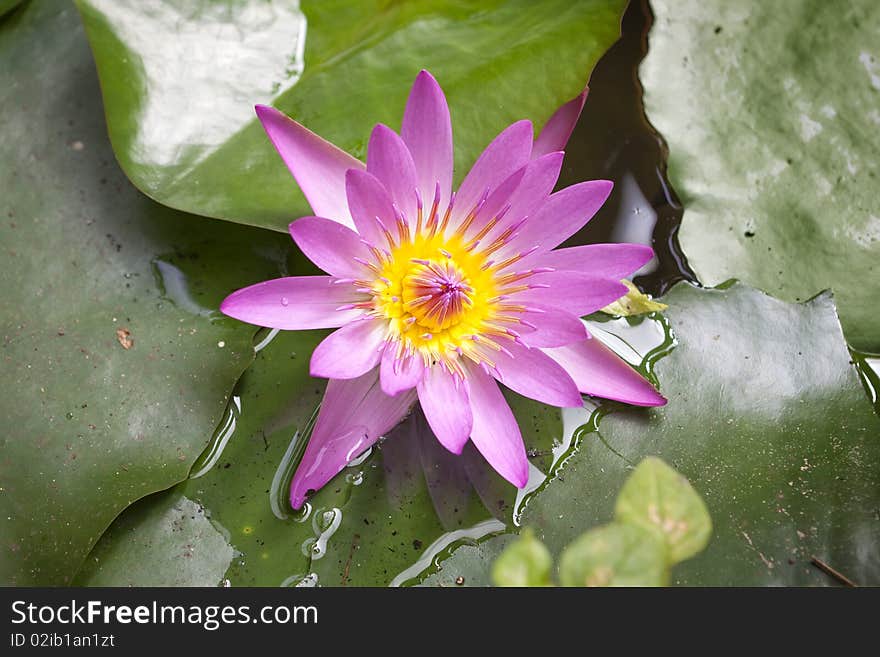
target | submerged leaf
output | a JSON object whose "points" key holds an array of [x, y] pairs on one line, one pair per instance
{"points": [[619, 554], [635, 302], [525, 562], [657, 498]]}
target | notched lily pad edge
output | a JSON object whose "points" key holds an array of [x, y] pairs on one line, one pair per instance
{"points": [[76, 572]]}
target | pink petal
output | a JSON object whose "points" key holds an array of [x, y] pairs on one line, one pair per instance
{"points": [[445, 402], [331, 246], [598, 371], [559, 127], [537, 180], [533, 374], [351, 351], [399, 375], [605, 260], [390, 161], [495, 432], [576, 293], [507, 153], [554, 327], [294, 303], [497, 201], [561, 216], [353, 415], [370, 204], [427, 132], [318, 166]]}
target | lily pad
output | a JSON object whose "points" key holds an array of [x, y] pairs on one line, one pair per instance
{"points": [[180, 82], [175, 547], [772, 123], [768, 421], [116, 363]]}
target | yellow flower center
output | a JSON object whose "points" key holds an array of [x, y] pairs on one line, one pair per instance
{"points": [[437, 296], [443, 296]]}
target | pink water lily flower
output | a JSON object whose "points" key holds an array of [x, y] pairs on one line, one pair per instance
{"points": [[440, 295]]}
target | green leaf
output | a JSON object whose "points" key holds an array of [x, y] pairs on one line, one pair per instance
{"points": [[180, 82], [772, 124], [525, 562], [619, 554], [657, 498], [175, 545], [768, 420], [635, 302], [91, 266]]}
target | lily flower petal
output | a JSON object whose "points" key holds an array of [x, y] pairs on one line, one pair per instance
{"points": [[564, 214], [331, 246], [537, 184], [615, 261], [524, 191], [559, 127], [294, 303], [532, 373], [495, 432], [574, 292], [318, 166], [427, 132], [354, 414], [507, 153], [445, 403], [399, 374], [368, 201], [598, 371], [552, 327], [390, 161], [350, 351]]}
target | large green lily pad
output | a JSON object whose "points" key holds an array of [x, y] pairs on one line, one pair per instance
{"points": [[180, 82], [90, 267], [768, 421], [772, 122]]}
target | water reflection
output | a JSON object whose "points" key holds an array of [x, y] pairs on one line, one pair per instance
{"points": [[614, 140]]}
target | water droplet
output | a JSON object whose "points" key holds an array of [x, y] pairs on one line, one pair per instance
{"points": [[309, 546], [284, 301], [327, 519]]}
